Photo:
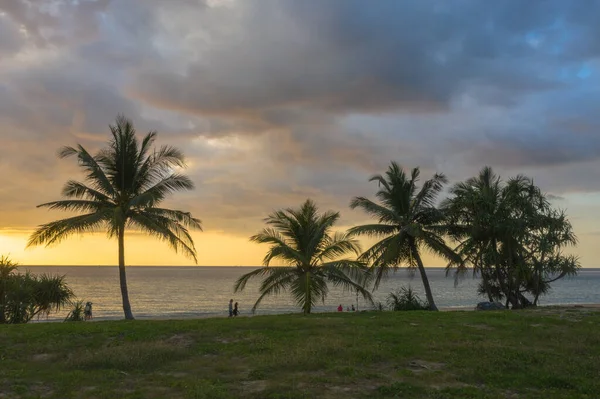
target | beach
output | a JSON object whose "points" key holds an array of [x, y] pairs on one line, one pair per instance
{"points": [[197, 292]]}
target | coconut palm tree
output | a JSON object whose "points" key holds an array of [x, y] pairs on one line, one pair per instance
{"points": [[126, 182], [301, 239], [407, 220]]}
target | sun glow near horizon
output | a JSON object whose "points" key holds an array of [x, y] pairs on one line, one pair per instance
{"points": [[214, 248]]}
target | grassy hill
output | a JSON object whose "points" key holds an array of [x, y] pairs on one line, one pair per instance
{"points": [[545, 353]]}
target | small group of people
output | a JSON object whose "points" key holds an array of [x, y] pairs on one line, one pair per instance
{"points": [[348, 309], [233, 309]]}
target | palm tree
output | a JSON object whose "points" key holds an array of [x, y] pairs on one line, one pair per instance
{"points": [[510, 235], [408, 221], [478, 217], [127, 181], [301, 239]]}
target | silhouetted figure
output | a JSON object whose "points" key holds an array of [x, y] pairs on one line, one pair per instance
{"points": [[231, 308], [353, 308], [235, 310], [87, 311]]}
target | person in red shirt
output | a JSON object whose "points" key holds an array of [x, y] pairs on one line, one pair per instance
{"points": [[340, 308]]}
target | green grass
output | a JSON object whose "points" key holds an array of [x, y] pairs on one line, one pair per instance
{"points": [[546, 353]]}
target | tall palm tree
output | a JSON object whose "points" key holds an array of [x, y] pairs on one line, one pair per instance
{"points": [[301, 239], [126, 181], [408, 221]]}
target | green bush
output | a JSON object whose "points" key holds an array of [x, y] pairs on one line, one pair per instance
{"points": [[25, 296], [406, 299], [76, 314]]}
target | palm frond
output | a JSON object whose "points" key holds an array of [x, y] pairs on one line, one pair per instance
{"points": [[280, 248], [427, 197], [338, 245], [277, 280], [374, 230], [338, 274], [158, 165], [383, 214], [157, 193], [308, 289], [75, 189], [318, 232], [94, 172], [165, 229], [184, 218], [75, 205], [437, 245], [54, 232], [279, 284]]}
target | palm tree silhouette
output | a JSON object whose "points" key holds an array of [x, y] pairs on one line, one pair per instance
{"points": [[408, 220], [126, 181], [301, 239]]}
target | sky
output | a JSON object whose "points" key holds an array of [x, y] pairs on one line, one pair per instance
{"points": [[276, 101]]}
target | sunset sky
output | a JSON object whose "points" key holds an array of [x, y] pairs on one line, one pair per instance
{"points": [[273, 102]]}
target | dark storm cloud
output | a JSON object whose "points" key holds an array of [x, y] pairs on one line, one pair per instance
{"points": [[344, 56], [274, 102]]}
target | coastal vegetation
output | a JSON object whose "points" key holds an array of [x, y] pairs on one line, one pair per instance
{"points": [[301, 238], [24, 296], [526, 354], [405, 299], [125, 183], [408, 222], [509, 234], [506, 233]]}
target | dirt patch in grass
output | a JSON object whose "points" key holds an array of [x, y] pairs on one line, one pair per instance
{"points": [[254, 386], [180, 340], [42, 357], [421, 365], [175, 374], [480, 326]]}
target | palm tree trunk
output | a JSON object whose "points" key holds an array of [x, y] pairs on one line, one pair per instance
{"points": [[123, 276], [424, 277], [307, 294]]}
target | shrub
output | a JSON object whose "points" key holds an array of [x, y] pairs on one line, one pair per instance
{"points": [[406, 299], [76, 314], [25, 296]]}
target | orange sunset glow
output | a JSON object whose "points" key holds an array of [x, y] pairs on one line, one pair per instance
{"points": [[271, 107]]}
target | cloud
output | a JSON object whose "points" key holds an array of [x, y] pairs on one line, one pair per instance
{"points": [[274, 104], [11, 39], [342, 57]]}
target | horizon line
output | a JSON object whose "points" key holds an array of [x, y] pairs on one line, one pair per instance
{"points": [[256, 266]]}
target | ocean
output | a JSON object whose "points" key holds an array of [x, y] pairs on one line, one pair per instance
{"points": [[180, 292]]}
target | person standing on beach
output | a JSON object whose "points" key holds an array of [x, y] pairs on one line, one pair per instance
{"points": [[231, 308], [235, 310]]}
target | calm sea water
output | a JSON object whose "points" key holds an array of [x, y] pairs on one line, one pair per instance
{"points": [[180, 292]]}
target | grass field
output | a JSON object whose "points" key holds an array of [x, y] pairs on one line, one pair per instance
{"points": [[545, 353]]}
